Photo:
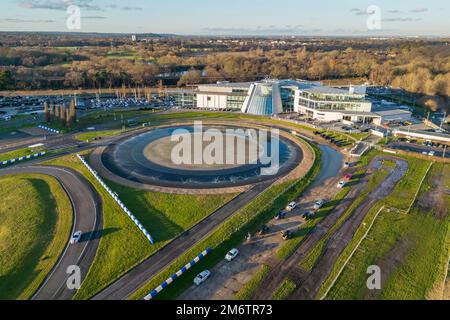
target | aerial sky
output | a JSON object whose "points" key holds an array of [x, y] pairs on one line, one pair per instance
{"points": [[232, 17]]}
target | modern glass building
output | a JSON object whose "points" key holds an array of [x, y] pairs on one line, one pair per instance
{"points": [[271, 97]]}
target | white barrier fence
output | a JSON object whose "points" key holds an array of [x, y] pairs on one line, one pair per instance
{"points": [[179, 273], [31, 156], [116, 198], [49, 129]]}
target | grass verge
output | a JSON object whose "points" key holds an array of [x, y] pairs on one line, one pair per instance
{"points": [[284, 290]]}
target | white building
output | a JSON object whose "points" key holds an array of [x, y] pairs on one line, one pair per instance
{"points": [[271, 97]]}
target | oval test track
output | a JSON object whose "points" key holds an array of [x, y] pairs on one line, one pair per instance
{"points": [[87, 217]]}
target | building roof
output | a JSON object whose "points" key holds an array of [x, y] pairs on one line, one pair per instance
{"points": [[393, 112]]}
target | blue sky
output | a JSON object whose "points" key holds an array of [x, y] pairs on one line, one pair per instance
{"points": [[231, 17]]}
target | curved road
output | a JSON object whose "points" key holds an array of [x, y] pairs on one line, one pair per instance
{"points": [[87, 213]]}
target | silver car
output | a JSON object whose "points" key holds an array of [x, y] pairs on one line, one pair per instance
{"points": [[202, 277]]}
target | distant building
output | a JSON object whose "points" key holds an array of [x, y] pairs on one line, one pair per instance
{"points": [[134, 38], [272, 97]]}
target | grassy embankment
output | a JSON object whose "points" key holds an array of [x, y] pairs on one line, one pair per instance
{"points": [[411, 249], [35, 224], [122, 245], [284, 290], [230, 234], [19, 153]]}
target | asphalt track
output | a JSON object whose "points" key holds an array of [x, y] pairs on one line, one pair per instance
{"points": [[87, 217]]}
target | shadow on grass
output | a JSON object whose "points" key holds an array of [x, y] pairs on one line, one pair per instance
{"points": [[13, 283], [97, 234]]}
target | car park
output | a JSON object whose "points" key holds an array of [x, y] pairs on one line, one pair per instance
{"points": [[231, 255], [76, 237], [202, 277]]}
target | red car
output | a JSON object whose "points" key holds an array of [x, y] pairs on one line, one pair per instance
{"points": [[348, 177]]}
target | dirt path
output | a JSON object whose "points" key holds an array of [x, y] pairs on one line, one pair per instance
{"points": [[228, 278], [339, 241], [289, 268]]}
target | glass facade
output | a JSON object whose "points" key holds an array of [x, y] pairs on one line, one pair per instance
{"points": [[185, 99], [235, 101]]}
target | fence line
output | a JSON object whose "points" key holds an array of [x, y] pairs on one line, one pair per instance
{"points": [[31, 156], [49, 129], [119, 202], [178, 274]]}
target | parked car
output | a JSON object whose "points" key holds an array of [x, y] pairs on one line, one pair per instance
{"points": [[319, 204], [341, 184], [232, 255], [291, 206], [286, 234], [264, 229], [432, 153], [202, 277], [281, 215], [76, 237], [307, 215], [347, 165]]}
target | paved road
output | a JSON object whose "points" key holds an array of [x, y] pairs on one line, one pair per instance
{"points": [[87, 210], [138, 276]]}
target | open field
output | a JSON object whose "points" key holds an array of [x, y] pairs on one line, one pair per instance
{"points": [[413, 263], [122, 245], [35, 224]]}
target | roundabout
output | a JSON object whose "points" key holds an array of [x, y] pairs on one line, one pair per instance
{"points": [[185, 157]]}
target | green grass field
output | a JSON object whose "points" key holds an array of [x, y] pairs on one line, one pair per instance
{"points": [[284, 290], [88, 136], [19, 153], [412, 249], [123, 246], [35, 224]]}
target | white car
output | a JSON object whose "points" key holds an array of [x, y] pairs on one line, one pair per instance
{"points": [[341, 184], [232, 255], [291, 206], [432, 153], [202, 277], [319, 204], [76, 237]]}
